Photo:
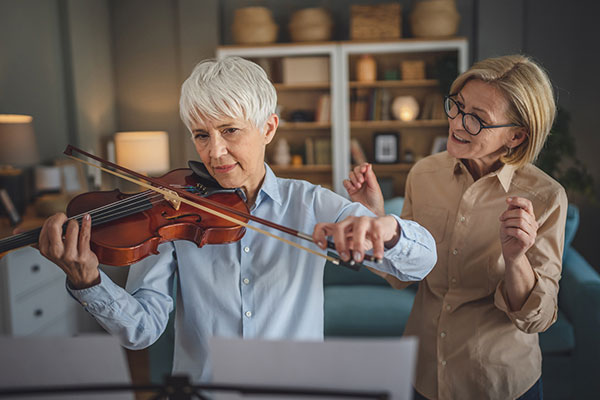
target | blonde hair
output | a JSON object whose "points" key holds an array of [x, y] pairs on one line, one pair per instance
{"points": [[530, 97], [230, 87]]}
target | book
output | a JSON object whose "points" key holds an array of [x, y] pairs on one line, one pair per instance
{"points": [[357, 153], [322, 151], [323, 110], [309, 151]]}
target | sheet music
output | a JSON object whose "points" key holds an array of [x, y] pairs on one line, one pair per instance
{"points": [[367, 365]]}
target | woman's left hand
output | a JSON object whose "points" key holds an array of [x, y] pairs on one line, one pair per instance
{"points": [[355, 235], [518, 228]]}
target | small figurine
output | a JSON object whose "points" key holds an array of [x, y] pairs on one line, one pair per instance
{"points": [[281, 155]]}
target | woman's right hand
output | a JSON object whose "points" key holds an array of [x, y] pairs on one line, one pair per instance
{"points": [[71, 251], [362, 187]]}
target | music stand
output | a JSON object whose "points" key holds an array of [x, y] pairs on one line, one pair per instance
{"points": [[38, 361], [385, 365]]}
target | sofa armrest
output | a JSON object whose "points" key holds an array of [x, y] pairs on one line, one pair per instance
{"points": [[579, 298]]}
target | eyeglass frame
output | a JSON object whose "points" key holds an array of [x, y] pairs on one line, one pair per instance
{"points": [[464, 114]]}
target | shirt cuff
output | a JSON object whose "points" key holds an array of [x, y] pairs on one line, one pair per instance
{"points": [[95, 298], [532, 307]]}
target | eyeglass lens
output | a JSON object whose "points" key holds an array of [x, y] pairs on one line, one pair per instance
{"points": [[470, 122]]}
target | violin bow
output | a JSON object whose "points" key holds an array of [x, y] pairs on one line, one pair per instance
{"points": [[177, 194]]}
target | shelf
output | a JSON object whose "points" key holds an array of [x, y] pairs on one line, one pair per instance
{"points": [[294, 126], [302, 86], [395, 84], [420, 123]]}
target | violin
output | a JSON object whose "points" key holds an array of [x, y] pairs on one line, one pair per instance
{"points": [[126, 228], [183, 204]]}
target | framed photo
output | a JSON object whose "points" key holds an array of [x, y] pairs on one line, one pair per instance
{"points": [[439, 144], [386, 147]]}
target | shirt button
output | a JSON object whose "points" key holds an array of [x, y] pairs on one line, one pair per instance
{"points": [[462, 219], [444, 362], [246, 281], [443, 335], [246, 249], [248, 314], [455, 252], [448, 307], [453, 280]]}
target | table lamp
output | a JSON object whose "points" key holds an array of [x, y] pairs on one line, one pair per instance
{"points": [[18, 147], [146, 152], [18, 151]]}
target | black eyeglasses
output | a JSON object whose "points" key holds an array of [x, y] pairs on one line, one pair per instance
{"points": [[471, 122]]}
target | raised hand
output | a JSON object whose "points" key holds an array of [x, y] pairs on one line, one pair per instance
{"points": [[518, 228], [362, 187]]}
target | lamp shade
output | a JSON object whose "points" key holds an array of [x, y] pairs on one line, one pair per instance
{"points": [[18, 146], [146, 152]]}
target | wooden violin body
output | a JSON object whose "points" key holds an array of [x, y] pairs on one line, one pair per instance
{"points": [[130, 238]]}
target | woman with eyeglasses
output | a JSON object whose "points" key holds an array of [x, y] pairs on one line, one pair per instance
{"points": [[499, 225]]}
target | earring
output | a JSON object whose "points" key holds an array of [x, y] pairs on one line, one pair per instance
{"points": [[509, 151]]}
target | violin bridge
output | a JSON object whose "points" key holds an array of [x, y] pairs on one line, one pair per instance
{"points": [[174, 200]]}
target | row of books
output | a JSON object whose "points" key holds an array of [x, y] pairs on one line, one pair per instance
{"points": [[374, 104]]}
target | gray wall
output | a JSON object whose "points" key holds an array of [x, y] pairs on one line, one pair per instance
{"points": [[88, 68]]}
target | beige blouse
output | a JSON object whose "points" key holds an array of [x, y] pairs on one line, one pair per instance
{"points": [[471, 345]]}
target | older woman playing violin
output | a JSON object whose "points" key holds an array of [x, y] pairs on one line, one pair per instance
{"points": [[498, 222], [252, 288]]}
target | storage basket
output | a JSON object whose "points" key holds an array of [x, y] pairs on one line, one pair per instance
{"points": [[380, 21]]}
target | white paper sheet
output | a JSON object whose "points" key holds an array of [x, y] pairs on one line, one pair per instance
{"points": [[347, 364]]}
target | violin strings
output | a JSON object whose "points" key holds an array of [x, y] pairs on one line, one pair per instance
{"points": [[108, 212]]}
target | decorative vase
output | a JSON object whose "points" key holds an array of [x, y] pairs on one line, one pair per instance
{"points": [[434, 18], [281, 155], [310, 25], [366, 68], [253, 25]]}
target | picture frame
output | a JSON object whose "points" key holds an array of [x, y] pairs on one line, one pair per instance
{"points": [[386, 147], [439, 144]]}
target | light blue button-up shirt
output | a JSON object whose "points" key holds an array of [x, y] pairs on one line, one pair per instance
{"points": [[257, 287]]}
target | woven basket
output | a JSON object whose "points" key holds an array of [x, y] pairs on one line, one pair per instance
{"points": [[380, 21], [434, 18], [253, 25], [310, 25]]}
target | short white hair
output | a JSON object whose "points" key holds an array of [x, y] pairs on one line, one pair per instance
{"points": [[231, 87]]}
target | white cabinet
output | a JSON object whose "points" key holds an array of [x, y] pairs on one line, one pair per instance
{"points": [[416, 136], [33, 298]]}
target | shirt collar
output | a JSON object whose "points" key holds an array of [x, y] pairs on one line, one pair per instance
{"points": [[504, 174], [270, 187]]}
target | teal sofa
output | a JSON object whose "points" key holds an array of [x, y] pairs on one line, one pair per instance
{"points": [[361, 304]]}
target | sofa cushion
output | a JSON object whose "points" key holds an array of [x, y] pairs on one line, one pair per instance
{"points": [[337, 275], [571, 226], [559, 338], [366, 310]]}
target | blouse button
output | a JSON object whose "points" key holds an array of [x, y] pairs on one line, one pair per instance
{"points": [[462, 219], [246, 249], [454, 252], [448, 308], [444, 362], [443, 335], [248, 314], [246, 281]]}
